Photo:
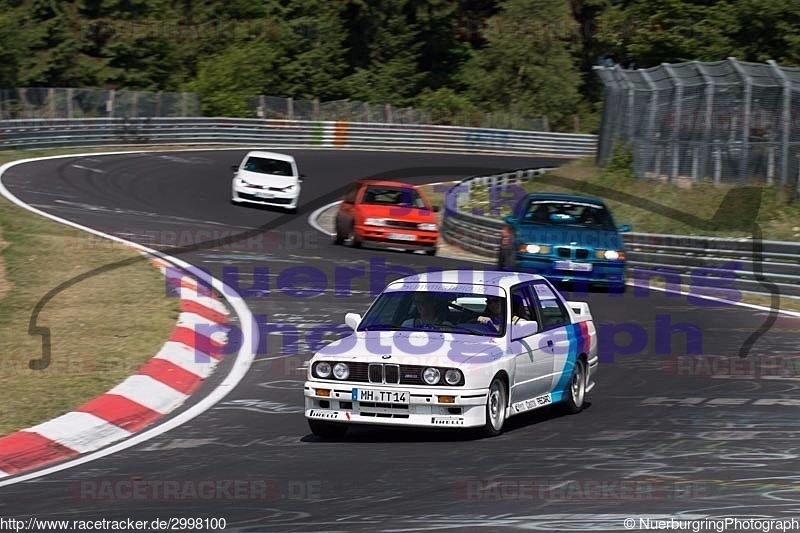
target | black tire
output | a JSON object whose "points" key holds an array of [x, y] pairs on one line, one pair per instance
{"points": [[355, 241], [431, 251], [327, 430], [338, 238], [576, 389], [496, 402]]}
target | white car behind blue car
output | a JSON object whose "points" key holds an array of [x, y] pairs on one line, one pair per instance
{"points": [[460, 348], [267, 178]]}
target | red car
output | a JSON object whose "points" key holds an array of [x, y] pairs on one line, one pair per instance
{"points": [[388, 213]]}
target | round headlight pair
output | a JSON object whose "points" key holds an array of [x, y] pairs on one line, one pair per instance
{"points": [[339, 371], [431, 376]]}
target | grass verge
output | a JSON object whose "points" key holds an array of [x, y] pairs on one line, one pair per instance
{"points": [[102, 329]]}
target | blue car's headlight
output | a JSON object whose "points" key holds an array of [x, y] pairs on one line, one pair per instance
{"points": [[535, 248], [610, 255]]}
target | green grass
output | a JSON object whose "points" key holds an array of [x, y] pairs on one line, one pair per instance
{"points": [[102, 328]]}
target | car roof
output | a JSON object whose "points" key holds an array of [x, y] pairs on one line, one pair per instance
{"points": [[390, 183], [496, 278], [564, 197], [270, 155]]}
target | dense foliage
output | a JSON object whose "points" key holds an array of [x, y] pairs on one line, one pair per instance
{"points": [[527, 58]]}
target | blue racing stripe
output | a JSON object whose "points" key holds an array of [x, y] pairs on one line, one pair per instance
{"points": [[575, 338]]}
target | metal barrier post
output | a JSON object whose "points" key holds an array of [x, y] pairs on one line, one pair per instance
{"points": [[748, 95], [786, 118], [675, 138]]}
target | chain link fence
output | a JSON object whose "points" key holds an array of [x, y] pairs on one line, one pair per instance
{"points": [[271, 107], [58, 103], [725, 121], [52, 103]]}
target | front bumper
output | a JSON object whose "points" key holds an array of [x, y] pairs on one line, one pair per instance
{"points": [[401, 237], [251, 195], [601, 273], [424, 408]]}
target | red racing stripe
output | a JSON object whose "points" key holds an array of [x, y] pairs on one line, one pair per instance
{"points": [[120, 411], [193, 306], [171, 374], [201, 343], [24, 450]]}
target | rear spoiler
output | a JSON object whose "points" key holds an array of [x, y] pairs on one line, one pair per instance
{"points": [[581, 309]]}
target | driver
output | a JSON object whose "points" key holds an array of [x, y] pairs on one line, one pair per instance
{"points": [[427, 312], [493, 313]]}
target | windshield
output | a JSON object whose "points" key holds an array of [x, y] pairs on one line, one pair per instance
{"points": [[445, 312], [384, 195], [559, 212], [263, 165]]}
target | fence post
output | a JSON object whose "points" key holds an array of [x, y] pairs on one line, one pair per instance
{"points": [[110, 103], [184, 105], [388, 113], [650, 134], [748, 94], [69, 102], [289, 107], [709, 116], [51, 100], [675, 137], [315, 109], [786, 118]]}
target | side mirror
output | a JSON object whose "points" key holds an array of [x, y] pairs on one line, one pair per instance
{"points": [[624, 228], [352, 320], [511, 219], [523, 329], [234, 167], [302, 177]]}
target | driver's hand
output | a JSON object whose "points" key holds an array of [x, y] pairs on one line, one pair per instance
{"points": [[484, 320]]}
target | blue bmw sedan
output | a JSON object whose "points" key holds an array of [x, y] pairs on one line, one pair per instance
{"points": [[566, 238]]}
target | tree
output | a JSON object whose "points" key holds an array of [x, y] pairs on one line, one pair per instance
{"points": [[528, 67]]}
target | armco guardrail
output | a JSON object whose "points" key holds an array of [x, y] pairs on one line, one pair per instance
{"points": [[712, 262], [45, 133]]}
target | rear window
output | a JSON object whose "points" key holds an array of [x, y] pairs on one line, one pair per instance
{"points": [[264, 165]]}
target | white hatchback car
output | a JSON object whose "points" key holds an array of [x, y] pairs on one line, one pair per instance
{"points": [[459, 348], [267, 178]]}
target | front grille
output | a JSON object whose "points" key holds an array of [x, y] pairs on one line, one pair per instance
{"points": [[400, 224], [581, 253], [391, 373], [376, 373], [563, 252]]}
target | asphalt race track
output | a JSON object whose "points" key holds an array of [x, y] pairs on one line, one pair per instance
{"points": [[661, 437]]}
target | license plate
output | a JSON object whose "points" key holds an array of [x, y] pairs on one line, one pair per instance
{"points": [[265, 195], [572, 265], [402, 237], [380, 396]]}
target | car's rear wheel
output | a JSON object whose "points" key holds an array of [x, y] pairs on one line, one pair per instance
{"points": [[431, 251], [327, 430], [495, 408], [576, 393]]}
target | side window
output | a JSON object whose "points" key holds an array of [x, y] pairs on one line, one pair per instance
{"points": [[521, 303], [551, 311]]}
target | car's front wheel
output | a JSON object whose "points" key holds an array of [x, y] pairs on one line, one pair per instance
{"points": [[495, 408], [327, 430], [576, 392]]}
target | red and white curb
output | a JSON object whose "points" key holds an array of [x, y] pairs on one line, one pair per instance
{"points": [[157, 388]]}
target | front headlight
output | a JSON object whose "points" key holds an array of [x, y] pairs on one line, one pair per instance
{"points": [[535, 248], [341, 371], [427, 226], [611, 255], [374, 222], [322, 370], [452, 376], [431, 375]]}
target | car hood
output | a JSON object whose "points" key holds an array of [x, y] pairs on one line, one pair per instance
{"points": [[267, 180], [568, 235], [414, 348], [413, 214]]}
